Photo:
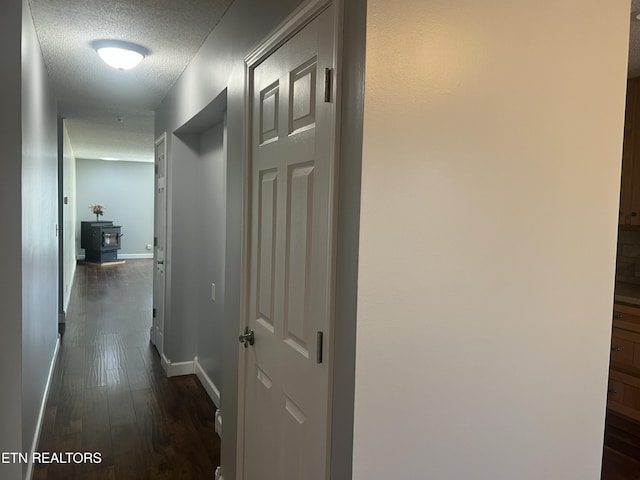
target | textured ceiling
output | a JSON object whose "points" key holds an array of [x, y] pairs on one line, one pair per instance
{"points": [[94, 96], [110, 112]]}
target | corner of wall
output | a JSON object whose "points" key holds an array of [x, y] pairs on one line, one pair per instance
{"points": [[352, 106]]}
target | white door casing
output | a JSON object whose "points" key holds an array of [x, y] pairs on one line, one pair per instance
{"points": [[289, 296], [160, 235]]}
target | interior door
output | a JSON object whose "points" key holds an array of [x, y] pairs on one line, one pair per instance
{"points": [[287, 369], [160, 234]]}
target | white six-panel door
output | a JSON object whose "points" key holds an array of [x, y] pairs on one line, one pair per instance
{"points": [[287, 369]]}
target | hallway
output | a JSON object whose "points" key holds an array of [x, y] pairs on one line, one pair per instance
{"points": [[110, 395]]}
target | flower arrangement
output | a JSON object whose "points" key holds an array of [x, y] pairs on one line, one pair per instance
{"points": [[97, 210]]}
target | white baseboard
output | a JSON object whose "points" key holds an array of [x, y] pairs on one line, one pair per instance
{"points": [[123, 256], [177, 369], [134, 256], [182, 368], [164, 361], [43, 405], [207, 383]]}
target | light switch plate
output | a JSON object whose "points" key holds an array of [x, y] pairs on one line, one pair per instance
{"points": [[213, 292]]}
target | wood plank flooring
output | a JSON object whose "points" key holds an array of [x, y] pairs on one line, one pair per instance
{"points": [[110, 395], [621, 456], [616, 466]]}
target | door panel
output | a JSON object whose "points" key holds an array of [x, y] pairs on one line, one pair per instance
{"points": [[299, 213], [290, 251], [302, 96], [269, 118], [268, 184]]}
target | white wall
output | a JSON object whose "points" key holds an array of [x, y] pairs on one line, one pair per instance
{"points": [[490, 181], [11, 245], [69, 223], [39, 208], [28, 211], [126, 190]]}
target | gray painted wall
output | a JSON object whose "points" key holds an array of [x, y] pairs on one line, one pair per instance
{"points": [[219, 65], [69, 223], [183, 247], [11, 245], [199, 173], [213, 216], [39, 221], [126, 190]]}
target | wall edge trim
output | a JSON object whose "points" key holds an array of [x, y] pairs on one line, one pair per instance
{"points": [[43, 405], [207, 383]]}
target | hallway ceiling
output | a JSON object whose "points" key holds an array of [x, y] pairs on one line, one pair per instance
{"points": [[110, 112]]}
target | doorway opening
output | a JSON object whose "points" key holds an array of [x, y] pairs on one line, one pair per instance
{"points": [[196, 286]]}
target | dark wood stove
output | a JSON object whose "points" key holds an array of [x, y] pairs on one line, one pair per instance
{"points": [[100, 240]]}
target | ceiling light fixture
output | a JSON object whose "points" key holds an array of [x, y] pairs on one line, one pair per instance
{"points": [[119, 54], [635, 16]]}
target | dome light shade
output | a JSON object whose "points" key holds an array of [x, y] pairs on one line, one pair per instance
{"points": [[118, 54], [120, 58]]}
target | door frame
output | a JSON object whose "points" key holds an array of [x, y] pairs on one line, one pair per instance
{"points": [[295, 22]]}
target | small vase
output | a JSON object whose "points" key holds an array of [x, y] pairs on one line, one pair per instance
{"points": [[97, 217]]}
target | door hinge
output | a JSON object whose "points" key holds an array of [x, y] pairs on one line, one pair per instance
{"points": [[155, 241], [327, 84], [154, 313], [319, 347]]}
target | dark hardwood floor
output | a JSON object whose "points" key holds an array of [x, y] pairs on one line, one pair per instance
{"points": [[616, 466], [110, 395], [621, 457]]}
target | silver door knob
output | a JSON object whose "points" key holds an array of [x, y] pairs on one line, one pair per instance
{"points": [[247, 337]]}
